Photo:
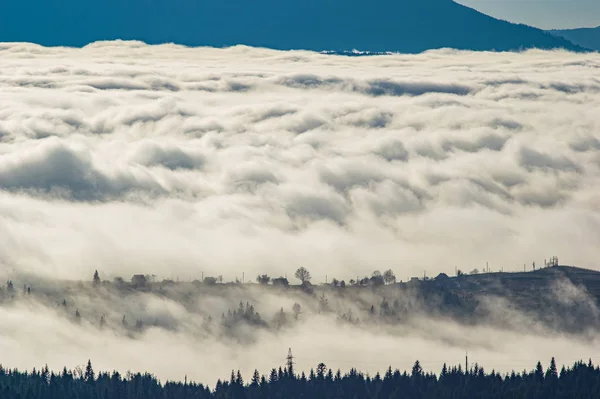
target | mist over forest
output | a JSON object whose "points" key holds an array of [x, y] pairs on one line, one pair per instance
{"points": [[367, 322], [181, 165]]}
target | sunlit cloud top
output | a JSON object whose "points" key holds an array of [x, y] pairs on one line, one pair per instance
{"points": [[175, 161]]}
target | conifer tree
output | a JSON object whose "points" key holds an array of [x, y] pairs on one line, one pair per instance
{"points": [[255, 379], [552, 372], [89, 375]]}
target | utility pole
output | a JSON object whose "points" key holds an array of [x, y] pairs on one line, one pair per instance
{"points": [[466, 363], [243, 277]]}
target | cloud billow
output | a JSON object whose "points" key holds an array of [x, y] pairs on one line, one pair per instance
{"points": [[167, 157]]}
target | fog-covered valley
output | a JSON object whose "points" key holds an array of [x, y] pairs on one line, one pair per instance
{"points": [[164, 326]]}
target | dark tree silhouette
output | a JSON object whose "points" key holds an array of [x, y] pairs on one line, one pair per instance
{"points": [[303, 275], [376, 279], [582, 380], [417, 370], [389, 277], [263, 279], [89, 375], [210, 280], [255, 379], [96, 278], [321, 370], [552, 372]]}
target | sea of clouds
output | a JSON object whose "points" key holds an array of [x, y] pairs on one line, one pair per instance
{"points": [[179, 162], [169, 160]]}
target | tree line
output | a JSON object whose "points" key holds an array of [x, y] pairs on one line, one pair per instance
{"points": [[581, 381], [389, 310], [377, 278]]}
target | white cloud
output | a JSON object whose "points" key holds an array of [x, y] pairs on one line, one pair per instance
{"points": [[129, 158], [267, 145]]}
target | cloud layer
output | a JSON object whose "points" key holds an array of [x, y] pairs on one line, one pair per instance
{"points": [[169, 160], [179, 162]]}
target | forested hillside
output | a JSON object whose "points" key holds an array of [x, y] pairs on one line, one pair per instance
{"points": [[555, 298]]}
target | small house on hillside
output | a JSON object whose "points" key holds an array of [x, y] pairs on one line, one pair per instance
{"points": [[139, 280], [281, 282]]}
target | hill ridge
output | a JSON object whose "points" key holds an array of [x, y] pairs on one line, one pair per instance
{"points": [[406, 26], [586, 37]]}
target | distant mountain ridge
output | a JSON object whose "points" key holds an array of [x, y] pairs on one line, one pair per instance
{"points": [[408, 26], [585, 37]]}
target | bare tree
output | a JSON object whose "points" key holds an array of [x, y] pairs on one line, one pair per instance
{"points": [[303, 275], [323, 303]]}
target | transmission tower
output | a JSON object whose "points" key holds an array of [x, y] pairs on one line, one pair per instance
{"points": [[290, 363]]}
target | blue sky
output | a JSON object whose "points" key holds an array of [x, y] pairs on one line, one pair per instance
{"points": [[546, 14]]}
